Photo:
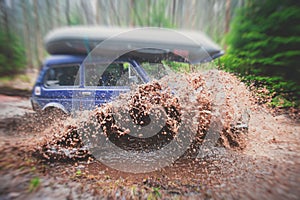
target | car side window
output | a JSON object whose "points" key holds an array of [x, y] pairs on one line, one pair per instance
{"points": [[62, 75], [116, 74]]}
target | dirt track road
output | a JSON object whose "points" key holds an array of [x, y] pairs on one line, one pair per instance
{"points": [[268, 168]]}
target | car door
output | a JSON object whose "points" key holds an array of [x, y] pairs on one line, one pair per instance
{"points": [[103, 82], [58, 85]]}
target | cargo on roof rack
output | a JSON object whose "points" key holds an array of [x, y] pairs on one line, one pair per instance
{"points": [[141, 44]]}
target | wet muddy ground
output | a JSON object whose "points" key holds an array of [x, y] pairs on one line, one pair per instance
{"points": [[267, 167]]}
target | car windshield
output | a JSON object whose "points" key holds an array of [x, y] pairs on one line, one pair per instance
{"points": [[155, 70]]}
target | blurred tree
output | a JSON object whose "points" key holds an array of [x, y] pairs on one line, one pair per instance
{"points": [[49, 14], [97, 5], [31, 20], [12, 54], [12, 58], [27, 43], [57, 12], [264, 45], [39, 45], [227, 18], [88, 12], [157, 14], [68, 12]]}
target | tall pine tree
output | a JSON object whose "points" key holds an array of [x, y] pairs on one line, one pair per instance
{"points": [[263, 46]]}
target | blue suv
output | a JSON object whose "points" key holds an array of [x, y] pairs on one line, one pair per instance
{"points": [[69, 81], [65, 83]]}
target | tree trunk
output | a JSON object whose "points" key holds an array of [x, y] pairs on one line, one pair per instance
{"points": [[115, 13], [39, 47], [227, 18], [174, 13], [132, 10], [88, 13], [5, 18], [68, 12], [50, 15], [57, 14], [26, 35], [97, 12], [148, 12]]}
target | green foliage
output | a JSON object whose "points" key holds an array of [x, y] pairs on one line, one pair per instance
{"points": [[155, 194], [34, 184], [158, 16], [75, 19], [12, 54], [264, 47], [177, 66], [78, 172], [155, 16], [279, 101]]}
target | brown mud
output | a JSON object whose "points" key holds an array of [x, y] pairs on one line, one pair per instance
{"points": [[257, 154]]}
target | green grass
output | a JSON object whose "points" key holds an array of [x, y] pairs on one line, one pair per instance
{"points": [[9, 78], [6, 79], [34, 184], [24, 78]]}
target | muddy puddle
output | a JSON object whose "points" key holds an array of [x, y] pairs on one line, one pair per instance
{"points": [[211, 140]]}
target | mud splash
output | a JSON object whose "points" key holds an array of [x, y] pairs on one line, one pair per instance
{"points": [[265, 165], [187, 110]]}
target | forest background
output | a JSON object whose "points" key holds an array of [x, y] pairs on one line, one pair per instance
{"points": [[261, 38]]}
